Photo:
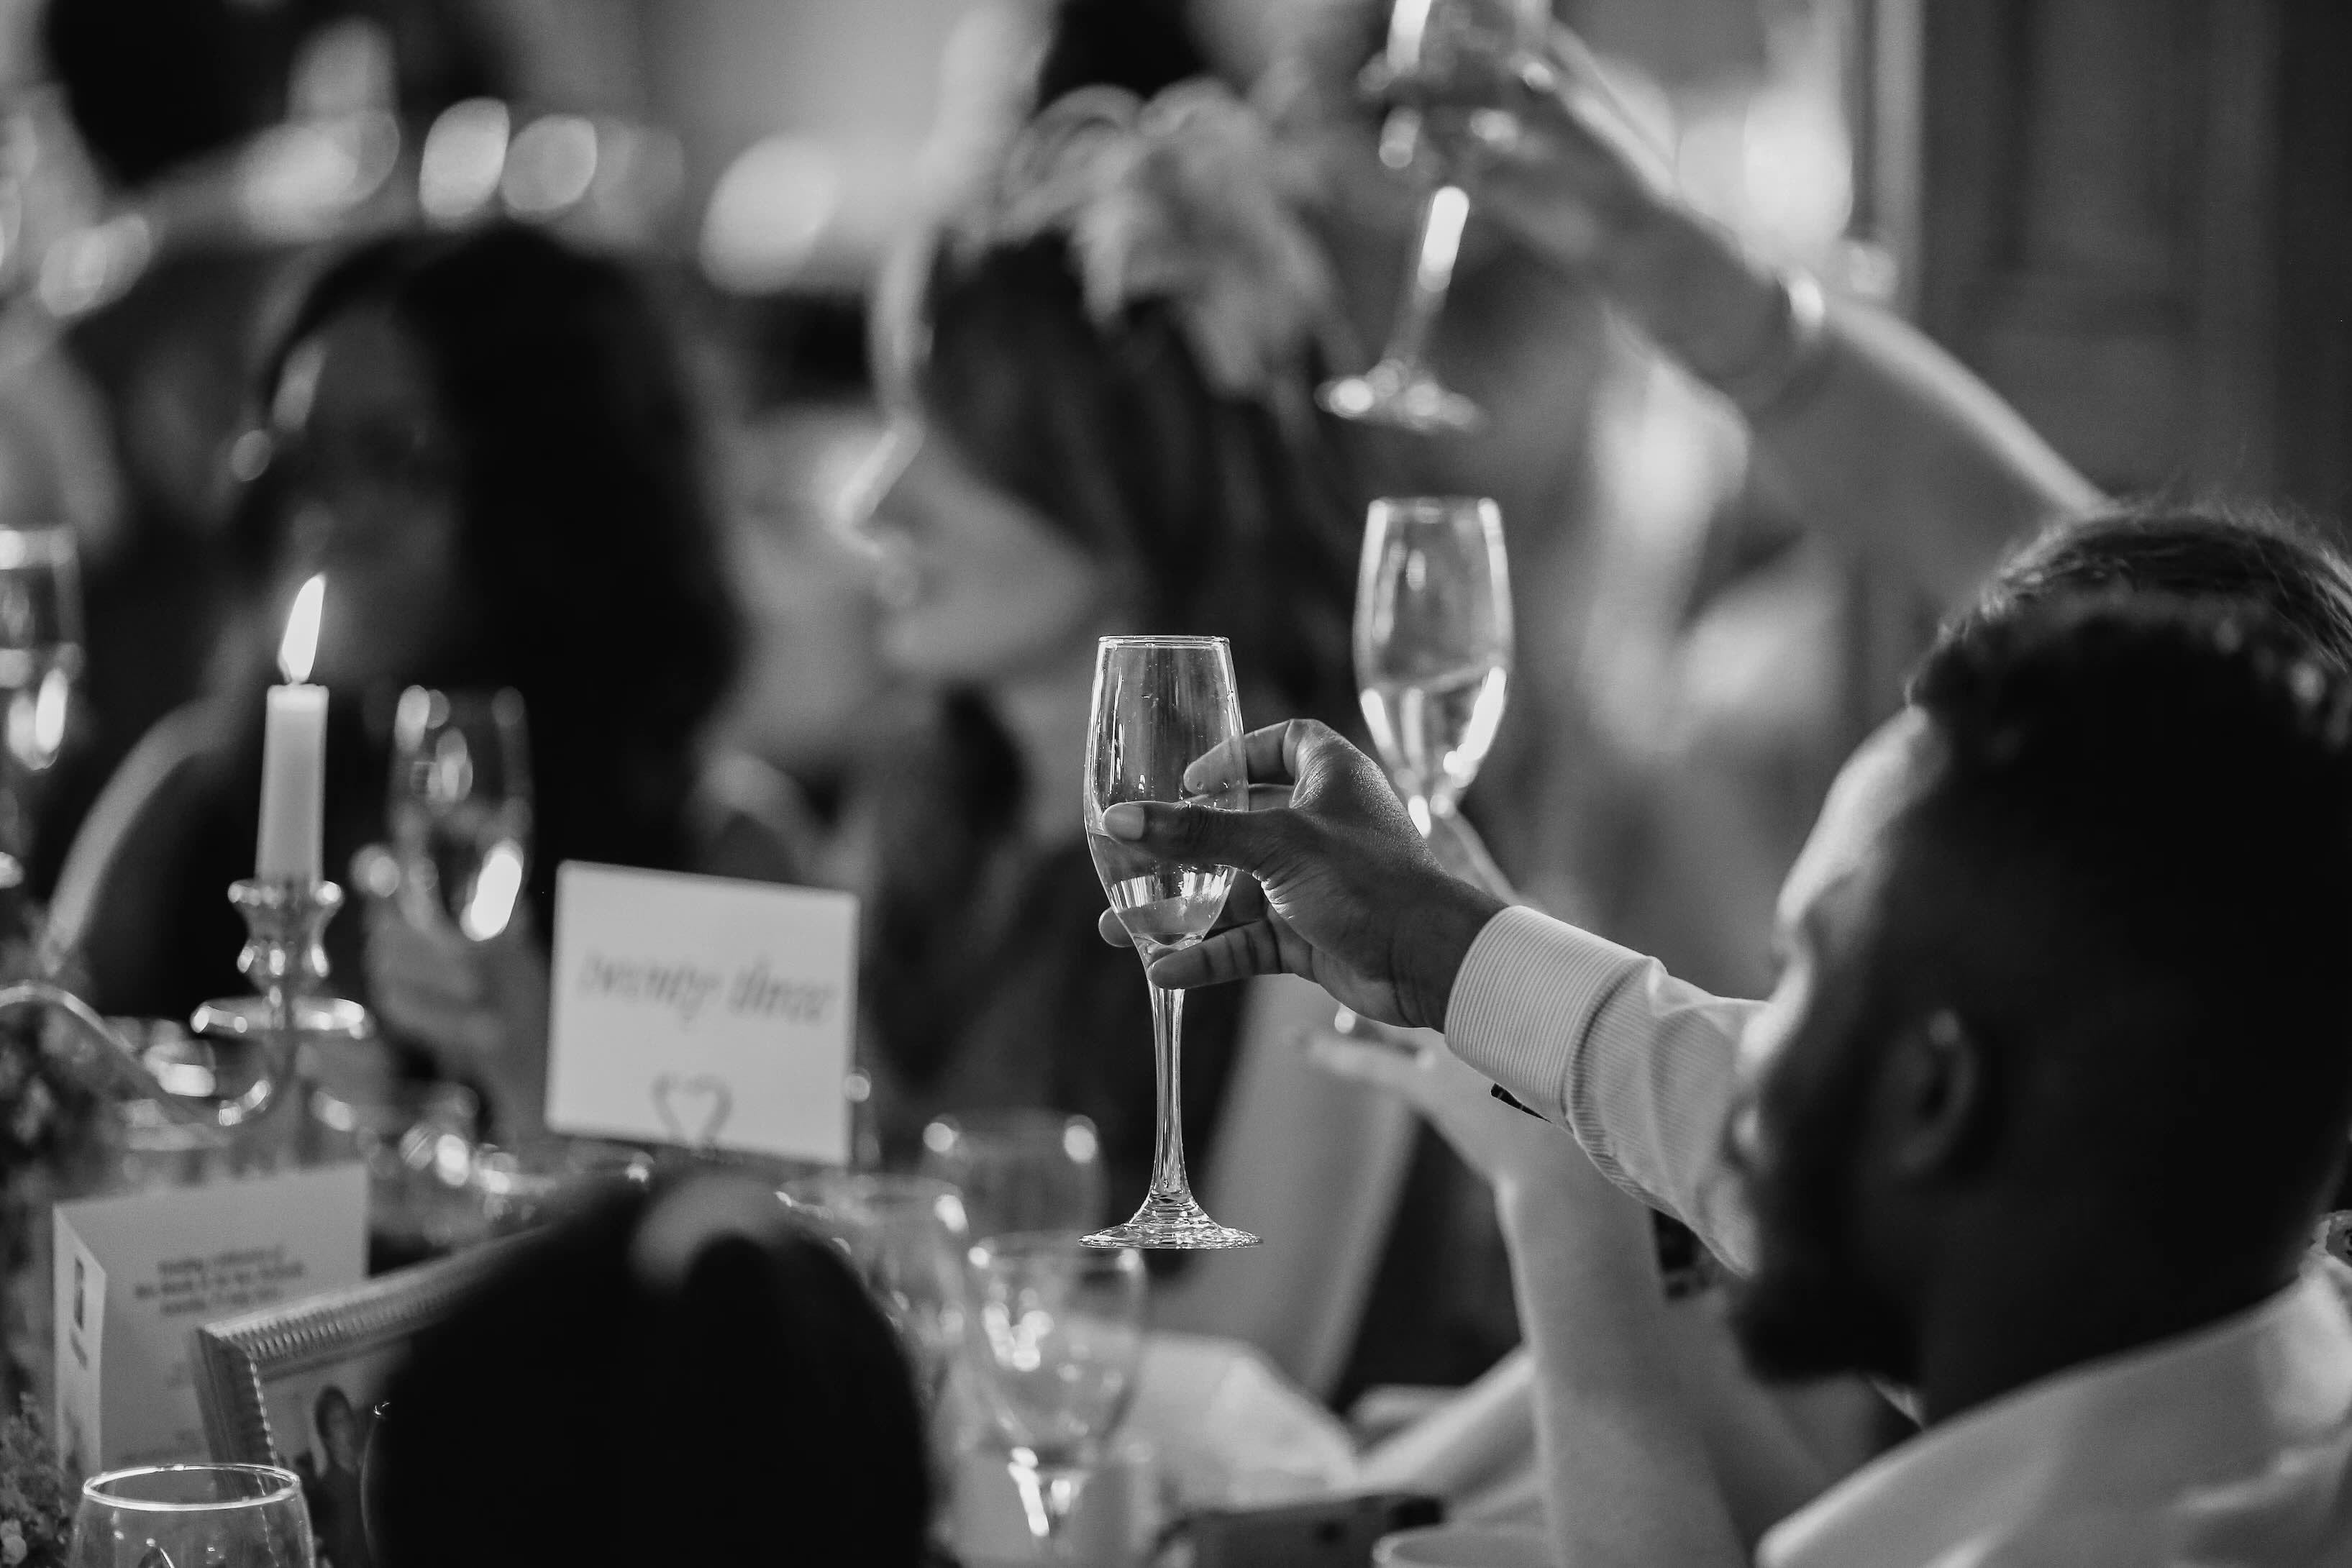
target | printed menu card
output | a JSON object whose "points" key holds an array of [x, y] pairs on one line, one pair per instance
{"points": [[137, 1275]]}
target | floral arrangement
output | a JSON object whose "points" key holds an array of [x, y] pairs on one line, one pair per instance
{"points": [[36, 1494], [1177, 199]]}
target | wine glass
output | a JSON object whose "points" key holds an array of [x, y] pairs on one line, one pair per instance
{"points": [[1019, 1170], [1058, 1337], [461, 808], [1432, 644], [905, 1237], [240, 1516], [1160, 704], [40, 657], [1433, 44]]}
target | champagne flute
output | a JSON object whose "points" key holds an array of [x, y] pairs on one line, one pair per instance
{"points": [[251, 1516], [1432, 644], [1432, 44], [461, 808], [1160, 704], [1059, 1336]]}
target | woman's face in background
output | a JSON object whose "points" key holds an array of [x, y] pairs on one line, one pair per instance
{"points": [[372, 499], [975, 586], [811, 667]]}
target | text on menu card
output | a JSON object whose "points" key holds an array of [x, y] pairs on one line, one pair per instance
{"points": [[702, 1011]]}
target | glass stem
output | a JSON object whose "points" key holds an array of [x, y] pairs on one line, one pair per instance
{"points": [[1434, 253], [1168, 1182], [1048, 1495]]}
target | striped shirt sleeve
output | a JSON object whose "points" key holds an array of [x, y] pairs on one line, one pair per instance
{"points": [[1601, 1039]]}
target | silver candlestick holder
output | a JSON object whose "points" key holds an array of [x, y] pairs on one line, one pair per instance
{"points": [[286, 963], [284, 957]]}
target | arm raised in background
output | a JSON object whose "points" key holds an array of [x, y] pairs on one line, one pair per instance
{"points": [[1886, 441], [1627, 1473]]}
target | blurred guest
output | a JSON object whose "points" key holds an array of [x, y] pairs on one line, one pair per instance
{"points": [[485, 444], [164, 97], [1101, 382], [796, 393], [2078, 908], [669, 1377]]}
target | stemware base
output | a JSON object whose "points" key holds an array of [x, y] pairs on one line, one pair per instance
{"points": [[1172, 1223], [1390, 395]]}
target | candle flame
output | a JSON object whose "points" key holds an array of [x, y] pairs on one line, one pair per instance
{"points": [[301, 646]]}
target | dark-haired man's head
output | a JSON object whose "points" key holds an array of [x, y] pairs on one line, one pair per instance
{"points": [[2287, 567], [2058, 1063], [669, 1377]]}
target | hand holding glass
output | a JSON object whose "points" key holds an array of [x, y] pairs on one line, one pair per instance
{"points": [[1434, 44], [1161, 705]]}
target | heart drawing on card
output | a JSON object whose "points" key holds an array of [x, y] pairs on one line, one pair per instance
{"points": [[692, 1107]]}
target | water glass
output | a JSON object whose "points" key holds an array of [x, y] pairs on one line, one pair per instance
{"points": [[1019, 1170], [193, 1515], [905, 1237], [460, 808], [1058, 1338]]}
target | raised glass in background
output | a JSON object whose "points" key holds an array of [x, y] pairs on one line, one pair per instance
{"points": [[460, 808], [1432, 644], [1032, 1170], [1434, 45], [907, 1236], [1161, 705], [193, 1515], [1058, 1335]]}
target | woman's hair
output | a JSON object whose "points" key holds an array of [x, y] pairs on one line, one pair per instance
{"points": [[673, 1376], [1219, 516], [1225, 515], [582, 519], [2298, 576]]}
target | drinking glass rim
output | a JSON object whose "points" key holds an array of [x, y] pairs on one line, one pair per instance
{"points": [[287, 1485], [885, 1184], [1173, 639], [1027, 1244], [1432, 503]]}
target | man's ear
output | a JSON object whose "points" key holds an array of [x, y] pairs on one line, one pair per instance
{"points": [[1939, 1099]]}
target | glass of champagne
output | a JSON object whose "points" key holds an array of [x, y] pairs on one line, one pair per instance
{"points": [[1019, 1170], [1434, 45], [1058, 1337], [1432, 644], [1160, 704], [461, 808], [251, 1516]]}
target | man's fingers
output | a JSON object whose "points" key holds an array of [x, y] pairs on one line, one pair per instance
{"points": [[1240, 953], [1199, 835], [1112, 931]]}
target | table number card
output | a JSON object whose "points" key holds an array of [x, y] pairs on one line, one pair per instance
{"points": [[702, 1011], [138, 1275]]}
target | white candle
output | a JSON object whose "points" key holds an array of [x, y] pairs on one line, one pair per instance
{"points": [[294, 753]]}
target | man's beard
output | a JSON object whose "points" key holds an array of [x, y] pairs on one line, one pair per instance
{"points": [[1808, 1311]]}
